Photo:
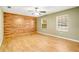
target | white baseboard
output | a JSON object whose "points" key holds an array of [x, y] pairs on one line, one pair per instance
{"points": [[59, 37]]}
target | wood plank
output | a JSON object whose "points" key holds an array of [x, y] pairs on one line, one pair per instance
{"points": [[38, 43]]}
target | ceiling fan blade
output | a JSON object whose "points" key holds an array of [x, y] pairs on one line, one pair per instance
{"points": [[30, 10], [42, 11]]}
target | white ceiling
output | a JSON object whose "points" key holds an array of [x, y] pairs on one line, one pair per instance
{"points": [[29, 10]]}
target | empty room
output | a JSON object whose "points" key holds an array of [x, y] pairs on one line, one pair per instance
{"points": [[39, 29]]}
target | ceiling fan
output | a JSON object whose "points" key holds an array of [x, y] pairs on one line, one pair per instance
{"points": [[37, 11]]}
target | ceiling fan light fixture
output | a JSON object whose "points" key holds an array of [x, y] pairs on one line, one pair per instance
{"points": [[37, 14]]}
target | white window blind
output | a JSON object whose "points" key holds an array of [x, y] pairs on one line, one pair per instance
{"points": [[62, 23]]}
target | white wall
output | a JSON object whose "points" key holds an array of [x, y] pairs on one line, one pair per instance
{"points": [[1, 26]]}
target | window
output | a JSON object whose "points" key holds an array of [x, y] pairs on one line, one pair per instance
{"points": [[44, 23], [62, 23]]}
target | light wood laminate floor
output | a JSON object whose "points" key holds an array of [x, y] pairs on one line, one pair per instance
{"points": [[38, 42]]}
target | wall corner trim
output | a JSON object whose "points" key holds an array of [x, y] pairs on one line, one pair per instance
{"points": [[59, 37]]}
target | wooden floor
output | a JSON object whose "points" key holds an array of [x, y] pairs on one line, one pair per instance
{"points": [[39, 43]]}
